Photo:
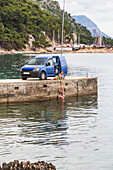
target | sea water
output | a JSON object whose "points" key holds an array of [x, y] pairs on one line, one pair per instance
{"points": [[74, 135]]}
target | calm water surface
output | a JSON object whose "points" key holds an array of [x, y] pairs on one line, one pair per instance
{"points": [[76, 135]]}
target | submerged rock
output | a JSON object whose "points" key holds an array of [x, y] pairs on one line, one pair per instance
{"points": [[15, 165]]}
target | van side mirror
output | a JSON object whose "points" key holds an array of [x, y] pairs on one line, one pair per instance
{"points": [[27, 61]]}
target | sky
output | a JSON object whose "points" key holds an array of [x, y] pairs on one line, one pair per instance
{"points": [[99, 11]]}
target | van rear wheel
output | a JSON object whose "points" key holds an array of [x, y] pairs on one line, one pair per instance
{"points": [[42, 75]]}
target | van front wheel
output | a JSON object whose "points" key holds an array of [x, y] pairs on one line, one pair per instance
{"points": [[42, 75], [24, 78]]}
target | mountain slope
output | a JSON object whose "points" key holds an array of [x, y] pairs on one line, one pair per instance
{"points": [[90, 25]]}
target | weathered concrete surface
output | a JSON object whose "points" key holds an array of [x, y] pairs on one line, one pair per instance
{"points": [[34, 90]]}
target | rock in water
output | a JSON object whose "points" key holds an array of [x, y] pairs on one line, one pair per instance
{"points": [[15, 165]]}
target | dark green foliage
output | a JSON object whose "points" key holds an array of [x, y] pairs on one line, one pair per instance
{"points": [[19, 18], [85, 35], [108, 41]]}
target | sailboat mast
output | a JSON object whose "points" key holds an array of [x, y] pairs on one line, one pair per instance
{"points": [[53, 38], [62, 41], [58, 37]]}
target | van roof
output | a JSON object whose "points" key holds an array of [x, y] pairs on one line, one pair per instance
{"points": [[42, 57], [46, 56]]}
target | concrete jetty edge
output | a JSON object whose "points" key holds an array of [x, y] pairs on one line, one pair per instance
{"points": [[18, 90]]}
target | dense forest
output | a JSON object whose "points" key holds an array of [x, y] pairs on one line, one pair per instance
{"points": [[21, 18]]}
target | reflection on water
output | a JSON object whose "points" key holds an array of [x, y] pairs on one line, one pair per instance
{"points": [[41, 127]]}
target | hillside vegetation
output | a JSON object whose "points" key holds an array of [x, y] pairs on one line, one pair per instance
{"points": [[21, 18]]}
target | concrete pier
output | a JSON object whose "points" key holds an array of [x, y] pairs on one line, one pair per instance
{"points": [[18, 90]]}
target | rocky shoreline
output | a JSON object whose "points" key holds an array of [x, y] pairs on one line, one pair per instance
{"points": [[15, 165], [28, 51], [50, 50]]}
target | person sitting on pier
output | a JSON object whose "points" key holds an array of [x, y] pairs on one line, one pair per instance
{"points": [[58, 77]]}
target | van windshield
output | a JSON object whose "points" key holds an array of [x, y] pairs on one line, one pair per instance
{"points": [[37, 61]]}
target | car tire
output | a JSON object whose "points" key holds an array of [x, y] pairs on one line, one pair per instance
{"points": [[24, 78], [43, 76]]}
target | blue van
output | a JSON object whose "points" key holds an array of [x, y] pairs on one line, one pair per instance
{"points": [[43, 67]]}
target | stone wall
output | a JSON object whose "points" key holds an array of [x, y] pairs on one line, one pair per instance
{"points": [[35, 90]]}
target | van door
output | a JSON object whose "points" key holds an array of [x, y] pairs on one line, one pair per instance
{"points": [[63, 64], [56, 62], [50, 68]]}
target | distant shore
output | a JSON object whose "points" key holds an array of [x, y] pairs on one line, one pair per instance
{"points": [[94, 50], [50, 51]]}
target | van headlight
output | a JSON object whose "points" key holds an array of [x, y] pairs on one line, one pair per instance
{"points": [[36, 69]]}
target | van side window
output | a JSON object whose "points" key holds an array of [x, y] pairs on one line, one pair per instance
{"points": [[55, 60], [50, 62]]}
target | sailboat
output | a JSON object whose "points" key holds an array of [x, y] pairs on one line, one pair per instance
{"points": [[62, 46]]}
